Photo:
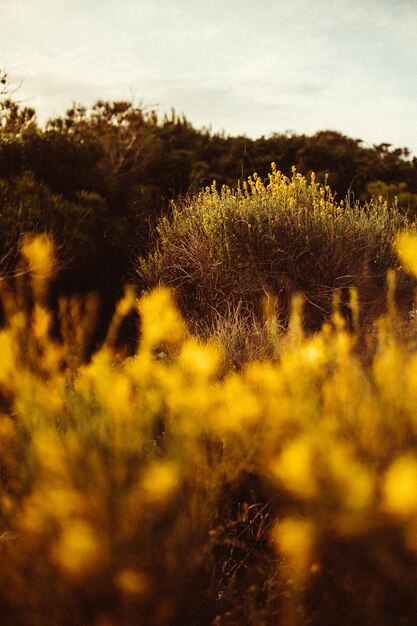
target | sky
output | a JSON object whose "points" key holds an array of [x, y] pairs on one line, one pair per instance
{"points": [[239, 66]]}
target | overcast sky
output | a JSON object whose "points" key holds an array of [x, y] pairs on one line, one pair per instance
{"points": [[242, 66]]}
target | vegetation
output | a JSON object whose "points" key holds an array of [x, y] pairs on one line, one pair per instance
{"points": [[120, 165], [237, 444], [162, 488], [225, 251]]}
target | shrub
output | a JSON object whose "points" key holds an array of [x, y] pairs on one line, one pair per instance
{"points": [[28, 206], [230, 248]]}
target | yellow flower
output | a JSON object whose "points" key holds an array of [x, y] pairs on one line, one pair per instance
{"points": [[38, 251], [406, 246], [159, 481], [400, 487], [132, 582], [119, 399], [199, 360], [295, 539], [239, 406], [41, 322], [161, 322], [295, 468], [353, 481], [79, 551]]}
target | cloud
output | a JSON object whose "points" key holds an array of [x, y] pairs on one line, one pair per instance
{"points": [[239, 65]]}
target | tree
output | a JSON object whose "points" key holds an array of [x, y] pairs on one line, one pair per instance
{"points": [[15, 121], [122, 133]]}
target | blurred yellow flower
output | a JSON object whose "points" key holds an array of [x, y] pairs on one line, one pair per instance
{"points": [[239, 407], [353, 480], [160, 481], [161, 322], [41, 321], [39, 253], [199, 360], [400, 487], [119, 398], [295, 539], [295, 468], [79, 551], [132, 582], [406, 246]]}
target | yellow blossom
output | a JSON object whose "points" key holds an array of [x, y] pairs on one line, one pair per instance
{"points": [[41, 321], [159, 481], [132, 582], [406, 246], [400, 486], [295, 468], [161, 322], [119, 398], [199, 360], [295, 539], [38, 251], [79, 552]]}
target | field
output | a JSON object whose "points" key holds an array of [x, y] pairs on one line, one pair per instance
{"points": [[250, 456]]}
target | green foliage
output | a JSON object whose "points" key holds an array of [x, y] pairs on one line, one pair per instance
{"points": [[29, 206]]}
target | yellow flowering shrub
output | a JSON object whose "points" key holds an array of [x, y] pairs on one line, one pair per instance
{"points": [[163, 488], [225, 249]]}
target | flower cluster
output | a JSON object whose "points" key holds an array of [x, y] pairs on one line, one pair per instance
{"points": [[115, 472]]}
